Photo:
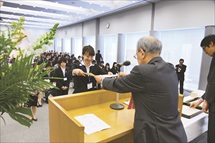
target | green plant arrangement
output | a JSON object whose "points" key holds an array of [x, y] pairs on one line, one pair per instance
{"points": [[19, 79]]}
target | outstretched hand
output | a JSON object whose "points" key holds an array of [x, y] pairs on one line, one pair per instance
{"points": [[195, 104], [79, 72], [98, 78]]}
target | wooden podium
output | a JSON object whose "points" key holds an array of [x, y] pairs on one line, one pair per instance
{"points": [[64, 127]]}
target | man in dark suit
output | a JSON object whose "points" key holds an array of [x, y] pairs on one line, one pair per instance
{"points": [[154, 87], [98, 57], [208, 98], [180, 70]]}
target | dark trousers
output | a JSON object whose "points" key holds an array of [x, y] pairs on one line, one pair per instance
{"points": [[211, 127], [181, 83]]}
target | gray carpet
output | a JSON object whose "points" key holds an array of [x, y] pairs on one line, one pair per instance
{"points": [[13, 132]]}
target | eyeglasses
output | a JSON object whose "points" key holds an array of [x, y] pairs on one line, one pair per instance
{"points": [[135, 56]]}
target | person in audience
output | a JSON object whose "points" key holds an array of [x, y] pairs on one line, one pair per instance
{"points": [[98, 57], [80, 58], [101, 65], [94, 62], [62, 72], [107, 68], [83, 81], [48, 77], [114, 68], [208, 98], [154, 87], [180, 70]]}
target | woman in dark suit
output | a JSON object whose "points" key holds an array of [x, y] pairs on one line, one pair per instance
{"points": [[62, 72], [107, 68], [83, 81], [114, 68]]}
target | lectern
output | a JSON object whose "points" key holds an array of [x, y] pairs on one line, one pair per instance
{"points": [[64, 128]]}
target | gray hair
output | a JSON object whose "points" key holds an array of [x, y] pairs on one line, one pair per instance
{"points": [[149, 44]]}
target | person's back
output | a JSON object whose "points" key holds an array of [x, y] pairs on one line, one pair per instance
{"points": [[161, 96], [154, 87]]}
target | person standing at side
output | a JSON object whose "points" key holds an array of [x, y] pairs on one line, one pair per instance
{"points": [[180, 70], [98, 57], [208, 98], [154, 87]]}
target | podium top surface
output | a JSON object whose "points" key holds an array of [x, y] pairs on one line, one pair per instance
{"points": [[121, 121]]}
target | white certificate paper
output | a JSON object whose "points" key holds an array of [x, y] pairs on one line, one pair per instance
{"points": [[92, 123]]}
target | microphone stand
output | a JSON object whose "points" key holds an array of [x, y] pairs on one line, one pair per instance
{"points": [[116, 105]]}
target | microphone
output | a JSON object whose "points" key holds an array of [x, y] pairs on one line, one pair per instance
{"points": [[125, 63]]}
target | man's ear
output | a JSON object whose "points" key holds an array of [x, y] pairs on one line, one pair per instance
{"points": [[142, 53]]}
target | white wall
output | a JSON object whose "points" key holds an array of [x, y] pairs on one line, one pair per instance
{"points": [[89, 28], [69, 31], [184, 14], [175, 14], [136, 20]]}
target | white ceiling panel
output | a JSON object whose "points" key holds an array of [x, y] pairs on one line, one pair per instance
{"points": [[44, 13]]}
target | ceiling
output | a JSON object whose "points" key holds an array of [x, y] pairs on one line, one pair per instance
{"points": [[45, 13]]}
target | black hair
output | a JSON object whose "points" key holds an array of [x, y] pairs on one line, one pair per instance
{"points": [[207, 40], [88, 49], [62, 60], [101, 62], [181, 60], [107, 64], [48, 65]]}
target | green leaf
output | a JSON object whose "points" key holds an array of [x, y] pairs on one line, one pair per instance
{"points": [[18, 80], [22, 119]]}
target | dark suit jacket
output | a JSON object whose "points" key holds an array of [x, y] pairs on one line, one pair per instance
{"points": [[98, 58], [154, 88], [61, 82], [209, 95], [180, 72], [114, 70], [80, 82]]}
